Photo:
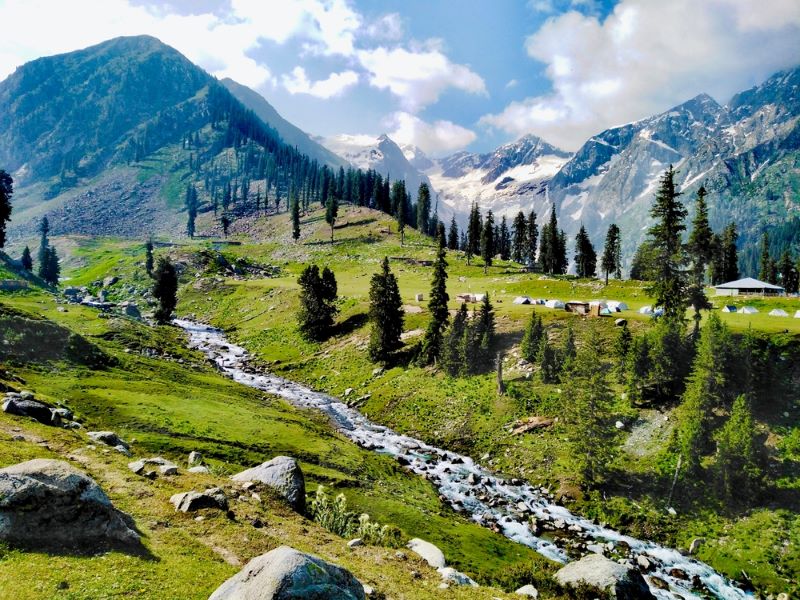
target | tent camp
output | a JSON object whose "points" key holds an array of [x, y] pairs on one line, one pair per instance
{"points": [[778, 312], [577, 307], [600, 303], [797, 314], [646, 310], [554, 304], [616, 305], [748, 287], [729, 308], [523, 300], [749, 310]]}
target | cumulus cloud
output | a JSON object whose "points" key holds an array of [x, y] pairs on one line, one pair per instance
{"points": [[436, 139], [388, 27], [418, 76], [647, 56], [334, 85]]}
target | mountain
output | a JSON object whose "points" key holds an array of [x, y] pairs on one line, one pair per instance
{"points": [[291, 134]]}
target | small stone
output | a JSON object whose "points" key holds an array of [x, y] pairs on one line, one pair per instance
{"points": [[168, 469], [695, 545], [347, 392], [528, 590], [355, 543], [619, 425], [195, 458], [643, 562], [368, 590]]}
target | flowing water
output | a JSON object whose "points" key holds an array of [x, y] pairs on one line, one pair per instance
{"points": [[489, 499]]}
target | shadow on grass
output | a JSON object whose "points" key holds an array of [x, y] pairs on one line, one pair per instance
{"points": [[367, 221], [350, 324]]}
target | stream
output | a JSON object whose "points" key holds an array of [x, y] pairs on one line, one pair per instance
{"points": [[523, 513]]}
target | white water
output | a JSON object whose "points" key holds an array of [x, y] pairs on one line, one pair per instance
{"points": [[492, 500]]}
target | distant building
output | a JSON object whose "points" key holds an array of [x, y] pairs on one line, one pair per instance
{"points": [[748, 287]]}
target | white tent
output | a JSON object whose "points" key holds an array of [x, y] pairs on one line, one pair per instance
{"points": [[522, 300], [554, 304], [617, 305], [778, 312], [729, 309], [646, 310], [797, 315], [600, 303], [479, 297], [749, 310]]}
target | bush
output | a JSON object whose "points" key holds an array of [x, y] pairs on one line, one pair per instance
{"points": [[334, 516]]}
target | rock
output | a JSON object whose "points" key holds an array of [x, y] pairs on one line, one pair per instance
{"points": [[199, 469], [132, 311], [619, 425], [28, 407], [430, 553], [620, 582], [451, 576], [620, 322], [644, 563], [368, 590], [138, 466], [109, 438], [195, 458], [377, 371], [286, 574], [109, 281], [355, 543], [63, 413], [282, 474], [168, 469], [348, 391], [192, 501], [528, 590], [672, 512], [695, 545], [46, 503], [659, 583], [679, 574]]}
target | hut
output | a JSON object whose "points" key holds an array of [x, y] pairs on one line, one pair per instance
{"points": [[748, 287]]}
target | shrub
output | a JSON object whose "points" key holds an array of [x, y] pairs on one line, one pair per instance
{"points": [[333, 515]]}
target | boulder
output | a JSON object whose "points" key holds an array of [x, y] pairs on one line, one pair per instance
{"points": [[695, 545], [195, 458], [282, 474], [109, 438], [15, 404], [286, 574], [528, 590], [430, 553], [619, 581], [453, 577], [199, 469], [47, 503], [192, 501], [138, 466], [110, 280]]}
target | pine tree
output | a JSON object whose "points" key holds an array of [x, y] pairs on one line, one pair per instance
{"points": [[643, 265], [612, 253], [765, 261], [225, 221], [453, 349], [385, 313], [480, 338], [49, 269], [504, 240], [487, 241], [532, 338], [701, 252], [553, 249], [452, 235], [738, 470], [788, 272], [569, 351], [441, 235], [423, 208], [6, 191], [165, 290], [623, 346], [474, 229], [532, 239], [437, 307], [148, 260], [548, 362], [191, 209], [317, 303], [585, 255], [331, 212], [669, 286], [26, 260], [589, 414], [519, 228], [295, 220]]}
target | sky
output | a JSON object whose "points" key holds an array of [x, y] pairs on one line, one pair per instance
{"points": [[443, 75]]}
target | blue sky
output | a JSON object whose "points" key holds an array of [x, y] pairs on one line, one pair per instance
{"points": [[447, 75]]}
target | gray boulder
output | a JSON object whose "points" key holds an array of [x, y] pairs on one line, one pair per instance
{"points": [[282, 474], [286, 574], [619, 581], [15, 404], [195, 458], [192, 501], [138, 466], [47, 503], [109, 438], [131, 310], [430, 553]]}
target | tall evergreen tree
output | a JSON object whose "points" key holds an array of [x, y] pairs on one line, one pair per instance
{"points": [[6, 191], [190, 202], [788, 273], [480, 338], [585, 255], [295, 220], [50, 269], [385, 313], [553, 248], [331, 212], [738, 470], [474, 230], [768, 268], [441, 235], [317, 303], [569, 350], [519, 228], [669, 286], [532, 338], [612, 253], [725, 261], [437, 307], [423, 208], [622, 349], [504, 240], [532, 239], [487, 241], [548, 362], [453, 349], [148, 256], [700, 244], [225, 221], [26, 260], [165, 290], [452, 236]]}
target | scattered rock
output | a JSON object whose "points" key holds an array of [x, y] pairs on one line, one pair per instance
{"points": [[282, 474], [45, 503], [138, 466], [528, 590], [195, 458], [26, 406], [430, 553], [199, 469], [355, 543], [192, 501], [659, 583], [619, 425], [621, 582], [109, 281], [695, 545], [286, 574], [168, 469], [644, 562], [109, 438], [451, 576], [377, 371]]}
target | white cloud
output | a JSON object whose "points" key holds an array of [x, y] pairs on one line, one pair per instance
{"points": [[647, 56], [436, 139], [512, 83], [334, 85], [418, 76], [388, 27]]}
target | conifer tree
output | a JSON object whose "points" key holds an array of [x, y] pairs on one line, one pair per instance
{"points": [[317, 302], [548, 362], [738, 470], [6, 191], [589, 414], [165, 290], [480, 338], [26, 260], [504, 240], [191, 209], [612, 253], [295, 220], [225, 221], [50, 269], [669, 285], [623, 346], [519, 228], [331, 212], [487, 241], [585, 255], [700, 240], [788, 273], [148, 256], [532, 239], [532, 338], [474, 230], [452, 236], [441, 236], [437, 307], [569, 351], [385, 313], [423, 208], [453, 350]]}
